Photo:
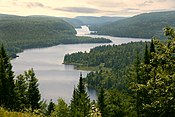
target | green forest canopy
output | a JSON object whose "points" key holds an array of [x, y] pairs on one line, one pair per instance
{"points": [[18, 33], [144, 25]]}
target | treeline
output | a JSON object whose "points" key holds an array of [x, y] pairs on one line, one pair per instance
{"points": [[18, 33], [144, 88], [144, 25], [109, 56]]}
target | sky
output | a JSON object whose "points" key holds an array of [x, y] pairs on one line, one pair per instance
{"points": [[73, 8]]}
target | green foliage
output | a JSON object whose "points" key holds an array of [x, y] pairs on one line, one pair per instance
{"points": [[140, 26], [80, 102], [19, 33], [21, 87], [33, 91], [101, 102], [117, 104], [146, 56], [50, 107], [73, 21], [91, 20], [27, 92], [110, 56], [152, 74], [156, 92], [61, 109], [5, 113], [7, 94]]}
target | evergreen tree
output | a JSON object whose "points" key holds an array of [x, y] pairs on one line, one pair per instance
{"points": [[21, 87], [33, 91], [2, 82], [146, 57], [74, 103], [50, 107], [61, 109], [7, 80], [152, 47], [81, 87], [101, 103], [80, 103], [159, 95], [138, 80]]}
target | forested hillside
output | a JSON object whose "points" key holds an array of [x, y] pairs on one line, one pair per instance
{"points": [[111, 63], [91, 20], [18, 33], [109, 56], [140, 26], [142, 88], [73, 21]]}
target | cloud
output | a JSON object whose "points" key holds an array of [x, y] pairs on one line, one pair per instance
{"points": [[28, 4], [78, 9], [146, 3], [106, 3], [34, 4]]}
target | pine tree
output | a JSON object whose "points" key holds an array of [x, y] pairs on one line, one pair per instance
{"points": [[101, 103], [2, 82], [21, 87], [33, 91], [159, 95], [50, 107], [146, 56], [80, 103], [138, 80], [61, 109], [7, 80], [74, 103], [152, 47]]}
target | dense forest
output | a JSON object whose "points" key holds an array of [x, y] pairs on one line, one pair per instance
{"points": [[18, 33], [143, 87], [73, 21], [92, 20], [140, 26]]}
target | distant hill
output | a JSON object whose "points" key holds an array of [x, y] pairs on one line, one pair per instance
{"points": [[74, 22], [140, 26], [18, 33], [91, 20]]}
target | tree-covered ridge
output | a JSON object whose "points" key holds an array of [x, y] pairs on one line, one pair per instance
{"points": [[110, 56], [92, 20], [140, 26], [18, 33], [73, 21], [145, 88]]}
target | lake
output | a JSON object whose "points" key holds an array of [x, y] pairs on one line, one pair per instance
{"points": [[56, 79]]}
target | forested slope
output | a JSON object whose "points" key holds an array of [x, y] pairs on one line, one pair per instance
{"points": [[143, 88], [110, 56], [73, 21], [18, 33], [140, 26], [92, 20]]}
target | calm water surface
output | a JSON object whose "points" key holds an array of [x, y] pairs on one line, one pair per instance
{"points": [[56, 79]]}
